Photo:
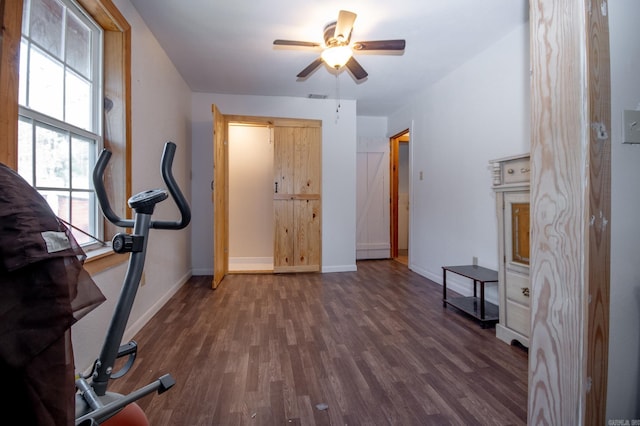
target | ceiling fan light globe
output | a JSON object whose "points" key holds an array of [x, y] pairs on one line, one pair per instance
{"points": [[336, 57]]}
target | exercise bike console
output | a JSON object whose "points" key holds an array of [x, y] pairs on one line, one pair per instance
{"points": [[93, 403], [147, 200]]}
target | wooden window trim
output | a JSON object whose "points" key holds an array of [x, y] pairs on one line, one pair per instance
{"points": [[10, 32], [117, 88]]}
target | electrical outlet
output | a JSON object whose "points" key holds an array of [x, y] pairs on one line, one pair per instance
{"points": [[475, 260]]}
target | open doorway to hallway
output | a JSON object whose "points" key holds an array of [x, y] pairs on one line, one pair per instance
{"points": [[399, 188]]}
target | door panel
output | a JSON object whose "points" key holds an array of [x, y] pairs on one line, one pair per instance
{"points": [[220, 199], [372, 208], [297, 203], [307, 160], [283, 238], [284, 158], [306, 249]]}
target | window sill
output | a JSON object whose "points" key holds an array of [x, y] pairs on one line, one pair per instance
{"points": [[102, 258]]}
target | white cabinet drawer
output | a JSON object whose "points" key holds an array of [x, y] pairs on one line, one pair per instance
{"points": [[517, 287], [518, 318], [515, 171]]}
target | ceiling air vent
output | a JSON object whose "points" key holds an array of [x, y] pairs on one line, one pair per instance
{"points": [[316, 96]]}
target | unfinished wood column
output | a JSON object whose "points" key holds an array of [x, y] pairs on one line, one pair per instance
{"points": [[570, 210]]}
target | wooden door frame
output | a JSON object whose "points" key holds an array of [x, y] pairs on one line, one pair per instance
{"points": [[394, 146], [220, 197], [249, 120]]}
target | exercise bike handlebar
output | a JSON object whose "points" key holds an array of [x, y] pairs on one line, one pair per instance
{"points": [[169, 180]]}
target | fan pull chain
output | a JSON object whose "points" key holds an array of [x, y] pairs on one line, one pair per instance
{"points": [[337, 98]]}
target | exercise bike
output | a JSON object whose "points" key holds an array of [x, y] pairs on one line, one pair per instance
{"points": [[94, 404]]}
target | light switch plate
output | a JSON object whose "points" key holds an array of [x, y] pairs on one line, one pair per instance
{"points": [[631, 126]]}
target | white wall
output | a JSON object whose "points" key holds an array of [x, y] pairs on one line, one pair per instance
{"points": [[251, 231], [623, 399], [478, 112], [160, 112], [338, 170]]}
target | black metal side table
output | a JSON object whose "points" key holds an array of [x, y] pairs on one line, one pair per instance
{"points": [[477, 307]]}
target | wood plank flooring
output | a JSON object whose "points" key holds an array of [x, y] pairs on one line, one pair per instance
{"points": [[375, 346]]}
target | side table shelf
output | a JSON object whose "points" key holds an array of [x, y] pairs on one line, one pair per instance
{"points": [[477, 307]]}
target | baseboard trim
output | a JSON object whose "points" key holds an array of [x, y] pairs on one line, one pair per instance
{"points": [[134, 328]]}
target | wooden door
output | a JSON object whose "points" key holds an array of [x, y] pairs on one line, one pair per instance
{"points": [[220, 198], [296, 199], [372, 195]]}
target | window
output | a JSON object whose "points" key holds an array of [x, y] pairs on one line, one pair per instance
{"points": [[117, 88], [60, 110]]}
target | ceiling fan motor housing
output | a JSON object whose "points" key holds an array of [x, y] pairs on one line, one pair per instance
{"points": [[331, 39]]}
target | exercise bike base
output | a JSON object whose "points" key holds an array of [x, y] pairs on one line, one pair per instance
{"points": [[113, 402]]}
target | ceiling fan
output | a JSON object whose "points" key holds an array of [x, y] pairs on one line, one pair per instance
{"points": [[338, 51]]}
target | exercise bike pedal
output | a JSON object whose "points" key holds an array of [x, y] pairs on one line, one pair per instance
{"points": [[166, 383], [128, 349]]}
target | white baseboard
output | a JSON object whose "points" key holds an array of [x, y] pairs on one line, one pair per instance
{"points": [[339, 268], [362, 254], [250, 264], [134, 328], [373, 246]]}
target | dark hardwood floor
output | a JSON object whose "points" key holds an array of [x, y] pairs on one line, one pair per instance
{"points": [[375, 346]]}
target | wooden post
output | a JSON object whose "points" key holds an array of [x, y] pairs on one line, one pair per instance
{"points": [[570, 202]]}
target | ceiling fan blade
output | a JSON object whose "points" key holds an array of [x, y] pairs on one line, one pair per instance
{"points": [[344, 25], [379, 45], [295, 43], [310, 68], [356, 69]]}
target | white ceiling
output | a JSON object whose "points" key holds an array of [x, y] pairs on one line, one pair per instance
{"points": [[226, 46]]}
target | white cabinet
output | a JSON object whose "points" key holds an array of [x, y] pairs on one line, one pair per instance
{"points": [[511, 185]]}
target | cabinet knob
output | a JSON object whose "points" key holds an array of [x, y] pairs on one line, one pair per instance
{"points": [[510, 171], [525, 291]]}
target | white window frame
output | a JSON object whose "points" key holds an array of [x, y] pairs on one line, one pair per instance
{"points": [[36, 117]]}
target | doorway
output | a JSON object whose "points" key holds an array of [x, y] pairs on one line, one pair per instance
{"points": [[250, 198], [400, 200], [290, 180]]}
